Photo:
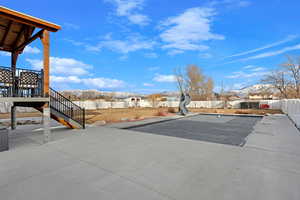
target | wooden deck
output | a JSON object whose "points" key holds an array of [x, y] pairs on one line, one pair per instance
{"points": [[24, 99]]}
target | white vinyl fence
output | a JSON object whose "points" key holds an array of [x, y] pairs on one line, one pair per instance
{"points": [[291, 107], [99, 104]]}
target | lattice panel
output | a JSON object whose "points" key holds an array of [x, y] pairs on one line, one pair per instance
{"points": [[29, 79], [5, 76]]}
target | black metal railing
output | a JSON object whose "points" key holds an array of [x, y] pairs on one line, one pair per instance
{"points": [[65, 106], [21, 83]]}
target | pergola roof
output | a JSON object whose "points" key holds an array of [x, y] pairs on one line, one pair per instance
{"points": [[16, 29]]}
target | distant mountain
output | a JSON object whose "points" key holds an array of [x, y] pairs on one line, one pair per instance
{"points": [[170, 93], [255, 89], [96, 93]]}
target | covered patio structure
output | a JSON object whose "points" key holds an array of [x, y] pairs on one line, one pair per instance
{"points": [[24, 87]]}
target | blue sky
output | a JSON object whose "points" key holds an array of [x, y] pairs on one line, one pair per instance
{"points": [[134, 45]]}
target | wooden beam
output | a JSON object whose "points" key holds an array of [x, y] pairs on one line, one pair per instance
{"points": [[13, 118], [27, 19], [28, 32], [6, 49], [25, 43], [6, 32], [14, 58], [46, 62]]}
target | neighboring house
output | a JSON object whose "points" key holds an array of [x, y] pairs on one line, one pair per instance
{"points": [[172, 98], [260, 96], [134, 101]]}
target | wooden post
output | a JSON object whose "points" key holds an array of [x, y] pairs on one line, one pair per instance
{"points": [[46, 109], [46, 123], [45, 42], [13, 122], [14, 57]]}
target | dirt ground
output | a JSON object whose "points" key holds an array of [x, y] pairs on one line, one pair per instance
{"points": [[132, 114]]}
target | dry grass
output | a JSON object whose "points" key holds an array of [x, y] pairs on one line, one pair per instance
{"points": [[27, 114], [132, 114], [124, 114]]}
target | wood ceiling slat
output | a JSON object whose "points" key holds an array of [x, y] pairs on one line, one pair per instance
{"points": [[19, 36], [21, 29], [6, 32]]}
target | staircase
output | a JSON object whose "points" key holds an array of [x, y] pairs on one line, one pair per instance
{"points": [[64, 111]]}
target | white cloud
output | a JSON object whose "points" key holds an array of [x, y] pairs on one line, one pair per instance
{"points": [[4, 53], [249, 66], [285, 40], [189, 30], [257, 69], [254, 68], [32, 50], [99, 82], [66, 79], [230, 3], [272, 53], [27, 49], [68, 71], [103, 82], [131, 44], [68, 66], [139, 19], [148, 84], [129, 9], [164, 78], [267, 54]]}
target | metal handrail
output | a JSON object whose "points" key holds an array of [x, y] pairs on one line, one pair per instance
{"points": [[66, 107], [23, 69], [14, 90]]}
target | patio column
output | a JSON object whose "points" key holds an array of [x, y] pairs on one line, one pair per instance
{"points": [[14, 57], [45, 42], [13, 121], [46, 123], [46, 108]]}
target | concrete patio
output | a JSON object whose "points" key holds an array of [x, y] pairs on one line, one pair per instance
{"points": [[110, 163]]}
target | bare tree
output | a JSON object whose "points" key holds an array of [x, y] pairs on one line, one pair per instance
{"points": [[196, 81], [154, 99], [200, 86], [209, 89], [292, 66], [180, 80], [278, 79], [286, 79]]}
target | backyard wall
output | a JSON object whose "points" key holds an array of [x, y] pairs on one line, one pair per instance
{"points": [[291, 107], [99, 104]]}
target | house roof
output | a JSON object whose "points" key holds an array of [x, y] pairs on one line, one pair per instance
{"points": [[16, 28]]}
